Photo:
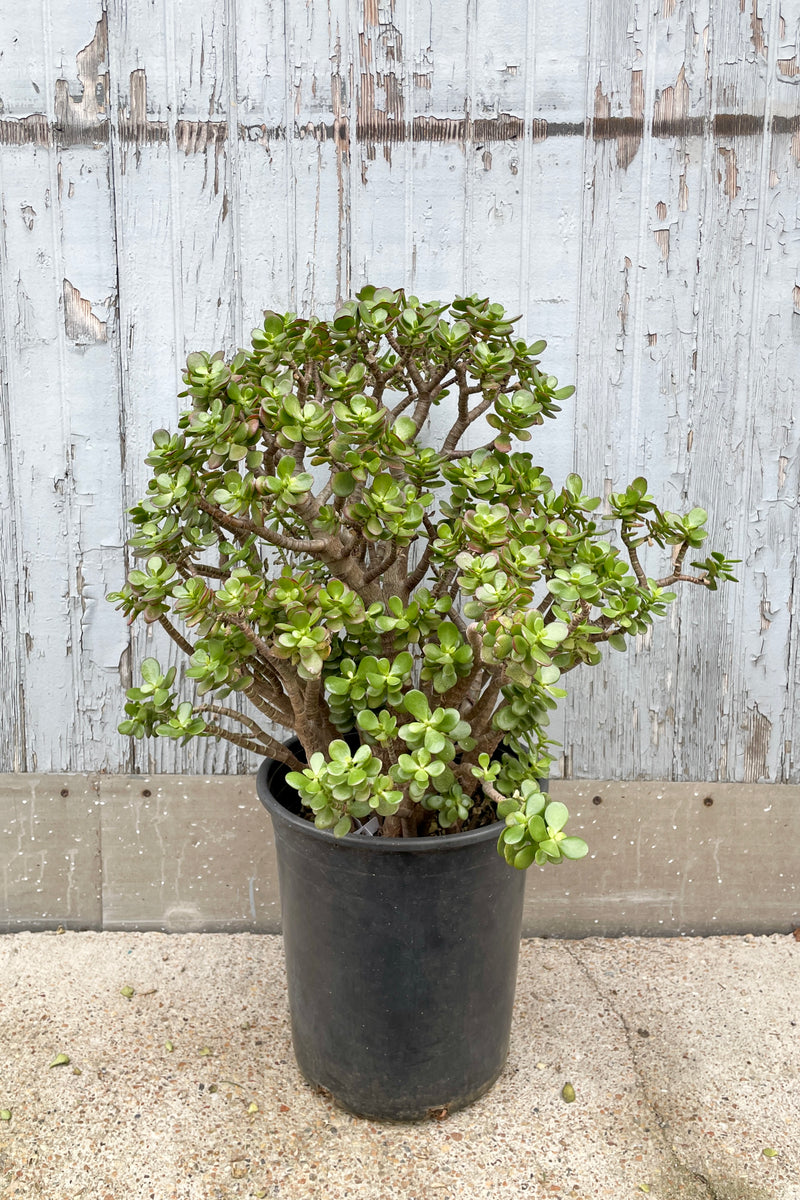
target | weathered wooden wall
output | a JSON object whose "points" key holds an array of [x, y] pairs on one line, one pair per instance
{"points": [[625, 174]]}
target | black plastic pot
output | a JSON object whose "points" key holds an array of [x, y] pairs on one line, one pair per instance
{"points": [[401, 957]]}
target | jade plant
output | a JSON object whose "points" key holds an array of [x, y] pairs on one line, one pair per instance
{"points": [[406, 609]]}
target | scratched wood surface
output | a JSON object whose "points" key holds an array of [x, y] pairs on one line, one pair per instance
{"points": [[626, 175]]}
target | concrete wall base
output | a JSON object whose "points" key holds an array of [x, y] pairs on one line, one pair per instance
{"points": [[190, 853]]}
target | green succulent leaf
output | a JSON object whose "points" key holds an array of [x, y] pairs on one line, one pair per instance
{"points": [[405, 428], [573, 847], [556, 816], [416, 704]]}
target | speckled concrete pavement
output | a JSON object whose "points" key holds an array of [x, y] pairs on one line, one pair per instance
{"points": [[684, 1056]]}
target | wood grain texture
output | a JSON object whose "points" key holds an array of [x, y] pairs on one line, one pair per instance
{"points": [[62, 415], [176, 246], [624, 175]]}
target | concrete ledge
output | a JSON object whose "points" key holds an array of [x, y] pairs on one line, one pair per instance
{"points": [[189, 853]]}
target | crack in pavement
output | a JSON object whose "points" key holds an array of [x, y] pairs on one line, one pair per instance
{"points": [[682, 1168]]}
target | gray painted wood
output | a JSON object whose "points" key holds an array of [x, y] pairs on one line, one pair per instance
{"points": [[189, 853], [624, 175]]}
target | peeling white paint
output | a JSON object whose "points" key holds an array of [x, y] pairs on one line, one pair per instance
{"points": [[166, 171]]}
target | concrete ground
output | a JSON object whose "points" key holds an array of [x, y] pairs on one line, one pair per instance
{"points": [[684, 1055]]}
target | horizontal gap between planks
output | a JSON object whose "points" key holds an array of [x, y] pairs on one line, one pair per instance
{"points": [[198, 136]]}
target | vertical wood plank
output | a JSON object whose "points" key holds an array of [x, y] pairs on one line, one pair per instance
{"points": [[150, 300], [320, 123], [384, 51], [747, 358], [554, 200], [441, 109], [170, 70], [266, 149], [497, 50], [781, 383], [62, 418], [90, 399], [13, 750], [602, 718], [713, 668]]}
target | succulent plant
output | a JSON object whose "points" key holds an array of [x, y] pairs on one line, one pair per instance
{"points": [[407, 610]]}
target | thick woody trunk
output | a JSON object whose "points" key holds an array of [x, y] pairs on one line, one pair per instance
{"points": [[405, 821]]}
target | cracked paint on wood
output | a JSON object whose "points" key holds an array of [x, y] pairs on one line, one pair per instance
{"points": [[169, 170], [81, 325]]}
